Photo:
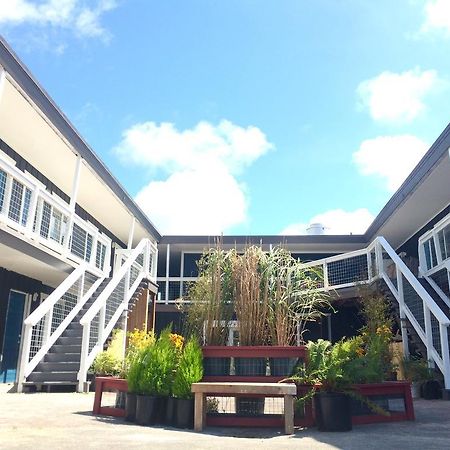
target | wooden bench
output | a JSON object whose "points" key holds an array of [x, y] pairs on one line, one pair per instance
{"points": [[287, 390]]}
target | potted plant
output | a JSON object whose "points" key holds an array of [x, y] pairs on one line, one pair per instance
{"points": [[178, 342], [331, 371], [138, 341], [209, 309], [416, 371], [294, 300], [157, 364], [189, 370]]}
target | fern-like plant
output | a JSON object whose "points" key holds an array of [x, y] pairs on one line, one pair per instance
{"points": [[189, 370]]}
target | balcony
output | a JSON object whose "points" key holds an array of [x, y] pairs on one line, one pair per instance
{"points": [[30, 212]]}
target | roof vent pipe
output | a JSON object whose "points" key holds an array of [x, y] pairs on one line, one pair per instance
{"points": [[315, 229]]}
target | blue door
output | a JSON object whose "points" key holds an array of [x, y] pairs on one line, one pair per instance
{"points": [[11, 339]]}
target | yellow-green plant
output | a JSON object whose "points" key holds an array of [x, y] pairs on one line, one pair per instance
{"points": [[110, 361]]}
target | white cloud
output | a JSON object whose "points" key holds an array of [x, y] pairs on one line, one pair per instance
{"points": [[397, 97], [437, 17], [165, 147], [391, 158], [201, 194], [336, 221], [69, 14]]}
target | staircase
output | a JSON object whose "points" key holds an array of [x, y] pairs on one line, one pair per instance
{"points": [[65, 333], [61, 364], [423, 312]]}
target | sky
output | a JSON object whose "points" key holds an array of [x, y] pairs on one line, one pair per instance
{"points": [[246, 116]]}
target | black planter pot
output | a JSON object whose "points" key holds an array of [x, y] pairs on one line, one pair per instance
{"points": [[216, 366], [250, 367], [431, 390], [171, 411], [282, 367], [130, 407], [147, 408], [333, 411], [184, 413], [161, 410]]}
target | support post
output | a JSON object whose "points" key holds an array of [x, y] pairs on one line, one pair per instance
{"points": [[167, 272], [403, 319], [131, 234], [443, 330], [428, 334]]}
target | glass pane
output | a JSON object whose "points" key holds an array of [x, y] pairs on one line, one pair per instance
{"points": [[442, 243], [433, 252], [15, 203], [2, 188], [426, 249], [26, 206], [45, 221]]}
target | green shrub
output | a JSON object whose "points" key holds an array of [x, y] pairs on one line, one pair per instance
{"points": [[189, 370], [157, 366]]}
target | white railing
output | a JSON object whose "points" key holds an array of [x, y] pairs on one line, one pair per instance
{"points": [[47, 322], [105, 312], [379, 261], [30, 210]]}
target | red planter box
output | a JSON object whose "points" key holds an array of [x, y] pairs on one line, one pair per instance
{"points": [[107, 384], [398, 392]]}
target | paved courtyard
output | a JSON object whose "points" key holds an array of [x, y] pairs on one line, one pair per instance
{"points": [[65, 421]]}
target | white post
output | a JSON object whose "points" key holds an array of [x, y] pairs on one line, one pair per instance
{"points": [[75, 183], [445, 354], [101, 325], [167, 272], [25, 357], [403, 319], [83, 357], [379, 257], [32, 211], [131, 234], [325, 276], [369, 265], [47, 327], [181, 274], [428, 333]]}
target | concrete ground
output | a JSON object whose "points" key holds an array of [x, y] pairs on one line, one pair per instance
{"points": [[65, 421]]}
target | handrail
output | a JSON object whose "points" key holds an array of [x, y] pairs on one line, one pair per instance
{"points": [[104, 313], [46, 324], [50, 301], [432, 305], [95, 307]]}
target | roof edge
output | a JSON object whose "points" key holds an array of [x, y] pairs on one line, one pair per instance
{"points": [[428, 162], [13, 65]]}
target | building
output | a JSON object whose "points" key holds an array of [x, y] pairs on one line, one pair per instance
{"points": [[61, 212], [76, 252]]}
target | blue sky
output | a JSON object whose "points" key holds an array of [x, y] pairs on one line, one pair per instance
{"points": [[246, 116]]}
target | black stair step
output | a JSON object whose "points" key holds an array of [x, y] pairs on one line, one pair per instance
{"points": [[60, 366], [53, 376], [62, 357], [69, 340], [66, 348]]}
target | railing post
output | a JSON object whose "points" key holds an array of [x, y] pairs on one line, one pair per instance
{"points": [[32, 211], [443, 330], [25, 356], [379, 257], [47, 327], [147, 259], [83, 357], [101, 325], [81, 287], [369, 265], [325, 276], [428, 333], [401, 301]]}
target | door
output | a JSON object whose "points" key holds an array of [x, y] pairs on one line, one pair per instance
{"points": [[13, 334]]}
